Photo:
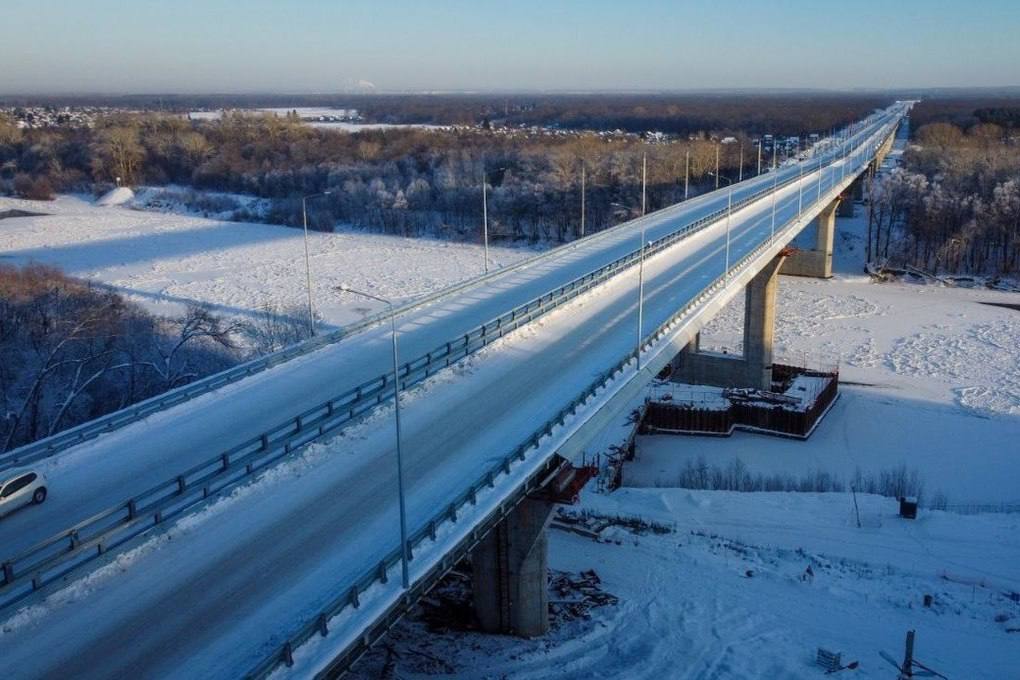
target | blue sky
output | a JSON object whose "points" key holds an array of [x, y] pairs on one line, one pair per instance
{"points": [[319, 46]]}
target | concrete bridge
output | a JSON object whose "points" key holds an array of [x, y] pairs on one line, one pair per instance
{"points": [[301, 571]]}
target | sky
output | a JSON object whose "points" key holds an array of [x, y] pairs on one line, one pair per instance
{"points": [[291, 46]]}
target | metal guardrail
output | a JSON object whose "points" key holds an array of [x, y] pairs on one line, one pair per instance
{"points": [[65, 439], [91, 538], [350, 595]]}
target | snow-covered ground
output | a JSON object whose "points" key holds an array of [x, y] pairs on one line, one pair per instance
{"points": [[166, 260], [931, 381], [726, 596]]}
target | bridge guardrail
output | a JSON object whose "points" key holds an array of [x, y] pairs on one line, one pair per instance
{"points": [[350, 595], [89, 539], [65, 439], [73, 436]]}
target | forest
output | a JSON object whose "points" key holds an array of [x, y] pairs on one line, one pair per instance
{"points": [[416, 181], [75, 350], [954, 205]]}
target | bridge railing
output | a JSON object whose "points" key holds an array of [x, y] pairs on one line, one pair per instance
{"points": [[79, 434], [350, 595], [94, 537]]}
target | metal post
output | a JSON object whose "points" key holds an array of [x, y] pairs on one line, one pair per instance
{"points": [[644, 183], [800, 189], [775, 186], [405, 556], [717, 165], [641, 294], [687, 172], [485, 218], [740, 175], [774, 152], [308, 269], [729, 211], [759, 156], [582, 199]]}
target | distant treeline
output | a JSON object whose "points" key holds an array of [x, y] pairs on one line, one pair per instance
{"points": [[406, 181], [754, 113]]}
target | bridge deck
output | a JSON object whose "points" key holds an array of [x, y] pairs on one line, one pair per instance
{"points": [[201, 604]]}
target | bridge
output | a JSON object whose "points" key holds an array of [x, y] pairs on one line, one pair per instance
{"points": [[250, 523]]}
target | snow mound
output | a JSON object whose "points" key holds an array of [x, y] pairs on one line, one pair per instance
{"points": [[118, 196]]}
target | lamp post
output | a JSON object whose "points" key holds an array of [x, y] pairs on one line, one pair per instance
{"points": [[687, 172], [717, 165], [729, 211], [485, 217], [644, 183], [740, 171], [641, 294], [759, 156], [582, 199], [308, 269], [404, 557]]}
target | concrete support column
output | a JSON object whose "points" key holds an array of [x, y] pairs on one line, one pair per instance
{"points": [[510, 572], [817, 262], [754, 368], [760, 324]]}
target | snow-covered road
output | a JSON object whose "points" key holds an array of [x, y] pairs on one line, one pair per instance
{"points": [[218, 597]]}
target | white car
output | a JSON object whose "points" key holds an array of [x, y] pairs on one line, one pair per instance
{"points": [[21, 487]]}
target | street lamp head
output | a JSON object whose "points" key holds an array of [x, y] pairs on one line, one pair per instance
{"points": [[343, 288]]}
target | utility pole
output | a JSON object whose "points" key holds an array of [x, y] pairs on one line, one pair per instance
{"points": [[687, 172], [644, 185], [485, 217], [729, 210], [582, 199], [717, 165]]}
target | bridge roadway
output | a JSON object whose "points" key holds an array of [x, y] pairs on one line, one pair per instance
{"points": [[213, 597]]}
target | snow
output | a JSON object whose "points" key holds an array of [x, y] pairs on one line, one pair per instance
{"points": [[688, 609], [118, 196], [165, 261], [929, 374]]}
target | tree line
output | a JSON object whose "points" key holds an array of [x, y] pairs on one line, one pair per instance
{"points": [[73, 351], [954, 205], [413, 181]]}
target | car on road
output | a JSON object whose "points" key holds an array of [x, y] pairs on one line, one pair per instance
{"points": [[20, 488]]}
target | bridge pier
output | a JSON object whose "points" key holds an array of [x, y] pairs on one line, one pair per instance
{"points": [[817, 262], [754, 368], [510, 572]]}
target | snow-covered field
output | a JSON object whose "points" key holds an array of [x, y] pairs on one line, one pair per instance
{"points": [[726, 594], [932, 382], [166, 260]]}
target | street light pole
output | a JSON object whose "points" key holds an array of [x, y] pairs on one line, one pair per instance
{"points": [[775, 186], [644, 182], [308, 268], [717, 165], [582, 199], [485, 217], [729, 210], [759, 157], [687, 172], [740, 175], [404, 553], [641, 294]]}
